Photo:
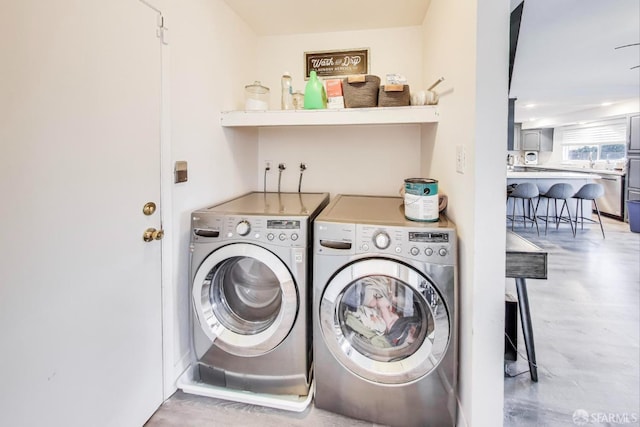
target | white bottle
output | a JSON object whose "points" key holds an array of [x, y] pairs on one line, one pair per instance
{"points": [[287, 92]]}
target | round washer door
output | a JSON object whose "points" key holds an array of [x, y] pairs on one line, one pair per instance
{"points": [[245, 299], [384, 321]]}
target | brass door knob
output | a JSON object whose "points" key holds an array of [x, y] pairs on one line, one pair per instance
{"points": [[151, 234]]}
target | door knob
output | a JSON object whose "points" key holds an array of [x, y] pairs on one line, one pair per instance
{"points": [[151, 234], [149, 208]]}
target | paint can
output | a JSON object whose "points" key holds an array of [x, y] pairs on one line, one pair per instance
{"points": [[421, 199]]}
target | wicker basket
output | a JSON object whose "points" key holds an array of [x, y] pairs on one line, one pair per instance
{"points": [[393, 96], [361, 94]]}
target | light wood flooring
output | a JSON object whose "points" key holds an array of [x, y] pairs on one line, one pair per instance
{"points": [[586, 324], [586, 328]]}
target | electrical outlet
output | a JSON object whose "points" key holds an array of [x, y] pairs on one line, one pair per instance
{"points": [[267, 164], [461, 159]]}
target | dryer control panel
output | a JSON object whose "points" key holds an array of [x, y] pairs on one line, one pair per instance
{"points": [[426, 244], [430, 245]]}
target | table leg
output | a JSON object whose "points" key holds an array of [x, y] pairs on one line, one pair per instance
{"points": [[527, 329]]}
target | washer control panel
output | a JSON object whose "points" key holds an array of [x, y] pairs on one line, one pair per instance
{"points": [[274, 230], [427, 244]]}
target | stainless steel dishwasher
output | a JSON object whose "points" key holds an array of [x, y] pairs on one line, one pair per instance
{"points": [[611, 204]]}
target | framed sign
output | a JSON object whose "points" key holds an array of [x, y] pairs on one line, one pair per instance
{"points": [[335, 63]]}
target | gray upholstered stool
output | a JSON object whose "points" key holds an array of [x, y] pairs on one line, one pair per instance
{"points": [[591, 192], [560, 191], [525, 191]]}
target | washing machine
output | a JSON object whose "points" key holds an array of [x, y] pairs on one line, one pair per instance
{"points": [[384, 313], [250, 289]]}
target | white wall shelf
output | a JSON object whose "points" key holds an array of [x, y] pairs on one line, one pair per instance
{"points": [[347, 116]]}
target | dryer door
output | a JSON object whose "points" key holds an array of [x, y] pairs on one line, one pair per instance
{"points": [[245, 299], [384, 321]]}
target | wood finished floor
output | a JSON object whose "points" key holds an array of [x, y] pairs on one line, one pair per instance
{"points": [[586, 328], [586, 320]]}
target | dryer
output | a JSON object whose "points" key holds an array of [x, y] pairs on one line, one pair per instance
{"points": [[250, 279], [384, 313]]}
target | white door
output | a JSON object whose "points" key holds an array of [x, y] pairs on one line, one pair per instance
{"points": [[80, 291]]}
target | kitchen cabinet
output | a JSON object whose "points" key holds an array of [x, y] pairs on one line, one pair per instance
{"points": [[511, 132], [634, 134], [633, 161], [517, 130], [536, 139], [326, 117]]}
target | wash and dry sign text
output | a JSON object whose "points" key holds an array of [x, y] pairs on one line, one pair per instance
{"points": [[337, 62]]}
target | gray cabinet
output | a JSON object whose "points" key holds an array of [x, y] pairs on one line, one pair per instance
{"points": [[536, 139], [634, 134], [633, 161], [513, 129], [517, 129]]}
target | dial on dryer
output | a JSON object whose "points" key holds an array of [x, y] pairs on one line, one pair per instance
{"points": [[243, 228], [381, 240]]}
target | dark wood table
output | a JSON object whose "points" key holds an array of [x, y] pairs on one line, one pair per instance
{"points": [[525, 261]]}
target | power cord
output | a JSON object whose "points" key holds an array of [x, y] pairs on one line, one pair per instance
{"points": [[303, 167], [281, 167], [506, 370]]}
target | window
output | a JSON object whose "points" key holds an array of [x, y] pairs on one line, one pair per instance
{"points": [[598, 141]]}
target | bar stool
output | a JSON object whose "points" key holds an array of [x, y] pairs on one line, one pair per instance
{"points": [[524, 191], [559, 191], [591, 192]]}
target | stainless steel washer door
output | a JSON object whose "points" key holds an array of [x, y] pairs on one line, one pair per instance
{"points": [[384, 321], [245, 299]]}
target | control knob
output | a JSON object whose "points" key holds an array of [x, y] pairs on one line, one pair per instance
{"points": [[243, 228], [414, 251], [381, 240], [428, 252], [442, 251]]}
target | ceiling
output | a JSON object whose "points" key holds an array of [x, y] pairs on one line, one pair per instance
{"points": [[565, 61], [273, 17]]}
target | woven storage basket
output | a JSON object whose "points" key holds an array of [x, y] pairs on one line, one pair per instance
{"points": [[361, 94], [394, 98]]}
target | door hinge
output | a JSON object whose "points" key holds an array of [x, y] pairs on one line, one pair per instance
{"points": [[161, 31]]}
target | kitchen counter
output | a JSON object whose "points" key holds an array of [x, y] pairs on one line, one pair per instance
{"points": [[544, 180], [569, 168], [613, 182], [557, 175]]}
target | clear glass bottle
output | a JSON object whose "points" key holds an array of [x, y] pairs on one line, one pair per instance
{"points": [[287, 92]]}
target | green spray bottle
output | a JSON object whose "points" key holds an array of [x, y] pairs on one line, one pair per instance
{"points": [[315, 97]]}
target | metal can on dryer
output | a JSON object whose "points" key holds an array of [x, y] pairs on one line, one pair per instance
{"points": [[421, 199]]}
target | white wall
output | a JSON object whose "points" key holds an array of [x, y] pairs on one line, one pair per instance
{"points": [[466, 42], [371, 160], [207, 75], [348, 159]]}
